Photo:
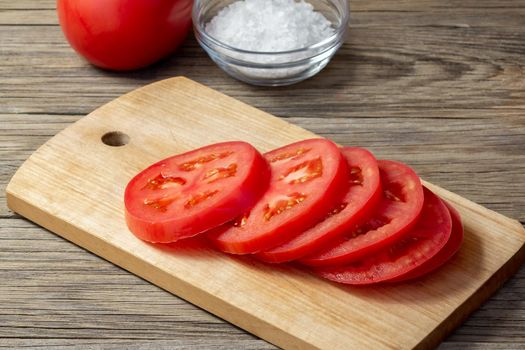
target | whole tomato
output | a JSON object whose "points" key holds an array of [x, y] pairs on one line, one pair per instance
{"points": [[124, 34]]}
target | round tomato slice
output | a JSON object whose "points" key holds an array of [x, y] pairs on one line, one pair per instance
{"points": [[192, 192], [451, 247], [307, 178], [425, 240], [363, 193], [395, 214]]}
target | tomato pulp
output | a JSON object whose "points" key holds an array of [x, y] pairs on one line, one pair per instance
{"points": [[395, 214], [451, 247], [189, 193], [363, 193], [307, 177], [124, 34], [419, 245]]}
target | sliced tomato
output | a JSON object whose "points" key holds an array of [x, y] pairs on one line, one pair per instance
{"points": [[448, 251], [307, 178], [395, 214], [364, 191], [192, 192], [419, 245]]}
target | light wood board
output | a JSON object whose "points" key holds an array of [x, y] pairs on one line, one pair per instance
{"points": [[73, 185]]}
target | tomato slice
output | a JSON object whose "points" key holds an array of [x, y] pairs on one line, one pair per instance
{"points": [[424, 241], [192, 192], [363, 193], [307, 178], [451, 247], [395, 214]]}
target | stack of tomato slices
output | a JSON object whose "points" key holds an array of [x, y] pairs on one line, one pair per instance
{"points": [[341, 213]]}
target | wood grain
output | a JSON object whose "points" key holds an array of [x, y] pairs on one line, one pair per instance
{"points": [[79, 197], [437, 84]]}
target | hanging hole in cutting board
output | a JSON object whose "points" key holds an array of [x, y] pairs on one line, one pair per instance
{"points": [[115, 138]]}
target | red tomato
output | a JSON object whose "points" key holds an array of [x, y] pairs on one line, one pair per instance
{"points": [[451, 247], [124, 34], [363, 193], [307, 178], [192, 192], [396, 213], [419, 245]]}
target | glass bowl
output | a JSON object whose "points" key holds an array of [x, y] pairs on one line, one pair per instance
{"points": [[272, 68]]}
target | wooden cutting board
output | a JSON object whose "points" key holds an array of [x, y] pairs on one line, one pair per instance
{"points": [[73, 185]]}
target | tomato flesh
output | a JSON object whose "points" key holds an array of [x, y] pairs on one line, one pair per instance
{"points": [[192, 192], [396, 213], [124, 34], [364, 191], [419, 245], [306, 179], [448, 251]]}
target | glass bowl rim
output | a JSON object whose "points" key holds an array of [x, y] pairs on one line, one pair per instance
{"points": [[264, 65], [338, 33]]}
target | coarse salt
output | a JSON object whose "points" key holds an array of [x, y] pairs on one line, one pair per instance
{"points": [[269, 25]]}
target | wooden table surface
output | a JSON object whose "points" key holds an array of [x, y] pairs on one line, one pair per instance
{"points": [[437, 84]]}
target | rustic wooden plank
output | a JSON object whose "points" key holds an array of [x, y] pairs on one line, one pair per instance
{"points": [[458, 14], [357, 5], [48, 304], [27, 4], [438, 151], [408, 65], [39, 291], [451, 18], [194, 342], [80, 201], [415, 68], [28, 17], [88, 289]]}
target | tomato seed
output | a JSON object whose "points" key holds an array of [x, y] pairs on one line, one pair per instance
{"points": [[199, 198], [304, 172], [160, 204], [241, 220], [394, 192], [221, 173], [287, 155], [370, 225], [283, 204], [161, 182], [194, 164], [356, 176]]}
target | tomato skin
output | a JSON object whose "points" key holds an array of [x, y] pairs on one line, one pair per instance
{"points": [[391, 219], [258, 232], [234, 194], [357, 204], [124, 34], [419, 245], [448, 251]]}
